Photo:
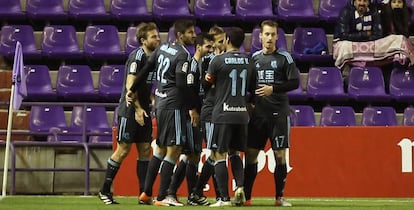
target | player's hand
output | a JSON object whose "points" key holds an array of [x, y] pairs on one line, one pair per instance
{"points": [[140, 115], [195, 117], [264, 90], [130, 97]]}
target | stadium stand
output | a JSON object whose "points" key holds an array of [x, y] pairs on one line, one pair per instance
{"points": [[379, 116], [337, 116], [325, 84]]}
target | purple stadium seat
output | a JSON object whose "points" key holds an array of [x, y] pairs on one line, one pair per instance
{"points": [[255, 43], [302, 115], [11, 10], [74, 83], [171, 10], [60, 42], [310, 45], [254, 10], [131, 42], [329, 9], [325, 84], [408, 116], [297, 11], [367, 85], [130, 10], [101, 42], [213, 10], [171, 37], [96, 122], [88, 10], [111, 82], [51, 119], [298, 94], [402, 85], [337, 116], [39, 84], [10, 34], [379, 116], [49, 10]]}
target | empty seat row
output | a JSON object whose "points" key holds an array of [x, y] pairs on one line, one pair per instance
{"points": [[103, 42], [50, 121], [303, 115], [167, 10], [75, 83], [365, 85]]}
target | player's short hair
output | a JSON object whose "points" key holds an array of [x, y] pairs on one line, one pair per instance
{"points": [[182, 25], [270, 23], [199, 40], [235, 36], [142, 30], [216, 30]]}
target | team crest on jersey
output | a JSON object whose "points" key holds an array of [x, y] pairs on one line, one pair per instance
{"points": [[190, 79], [184, 68], [273, 64], [257, 65], [133, 67]]}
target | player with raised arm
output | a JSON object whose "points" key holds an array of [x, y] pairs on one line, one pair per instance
{"points": [[171, 65]]}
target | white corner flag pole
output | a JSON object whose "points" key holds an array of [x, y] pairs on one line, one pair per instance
{"points": [[7, 148]]}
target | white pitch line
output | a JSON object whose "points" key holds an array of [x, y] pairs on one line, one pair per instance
{"points": [[379, 200]]}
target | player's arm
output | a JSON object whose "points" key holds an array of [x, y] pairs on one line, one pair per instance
{"points": [[144, 72], [292, 75], [209, 78]]}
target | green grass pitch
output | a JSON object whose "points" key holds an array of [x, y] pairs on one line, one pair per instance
{"points": [[130, 203]]}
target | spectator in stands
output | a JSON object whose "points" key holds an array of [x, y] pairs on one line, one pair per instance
{"points": [[358, 22], [134, 123], [170, 63], [395, 18], [276, 75]]}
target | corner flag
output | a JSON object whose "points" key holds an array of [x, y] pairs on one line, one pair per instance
{"points": [[19, 77]]}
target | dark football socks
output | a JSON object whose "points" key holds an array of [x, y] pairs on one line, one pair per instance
{"points": [[166, 173], [111, 171], [237, 169], [142, 167], [222, 177], [177, 178], [153, 167], [250, 173], [280, 179]]}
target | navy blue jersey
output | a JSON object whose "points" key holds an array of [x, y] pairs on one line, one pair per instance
{"points": [[273, 69], [207, 95], [133, 65], [170, 62], [233, 74]]}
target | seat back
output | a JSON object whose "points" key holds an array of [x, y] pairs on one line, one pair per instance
{"points": [[254, 10], [367, 81], [60, 41], [379, 116], [337, 116], [45, 117], [131, 42], [306, 39], [325, 83], [101, 41], [255, 43], [45, 9], [11, 9], [111, 82], [96, 121], [136, 10], [74, 82], [169, 10], [10, 34], [209, 10], [402, 84], [408, 116], [87, 10], [296, 10], [39, 84], [329, 9], [302, 115]]}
